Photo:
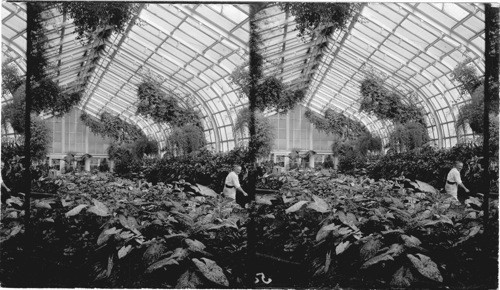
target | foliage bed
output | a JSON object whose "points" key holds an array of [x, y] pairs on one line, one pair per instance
{"points": [[318, 231], [355, 232], [102, 231]]}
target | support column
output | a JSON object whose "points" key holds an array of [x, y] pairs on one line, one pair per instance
{"points": [[87, 164], [61, 165], [86, 140], [311, 161]]}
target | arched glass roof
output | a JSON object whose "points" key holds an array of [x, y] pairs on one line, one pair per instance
{"points": [[195, 47]]}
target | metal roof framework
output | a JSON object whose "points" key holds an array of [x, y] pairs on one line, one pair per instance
{"points": [[195, 47]]}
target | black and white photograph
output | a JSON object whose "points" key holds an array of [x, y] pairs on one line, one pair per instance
{"points": [[249, 145]]}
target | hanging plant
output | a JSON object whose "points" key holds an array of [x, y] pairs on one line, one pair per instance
{"points": [[387, 104], [90, 17], [113, 127], [163, 107], [466, 76], [336, 123], [11, 80], [327, 17]]}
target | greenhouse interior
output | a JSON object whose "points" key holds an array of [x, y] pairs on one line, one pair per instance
{"points": [[264, 145]]}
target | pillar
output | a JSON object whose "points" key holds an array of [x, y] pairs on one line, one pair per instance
{"points": [[335, 162], [311, 161], [61, 165], [87, 164]]}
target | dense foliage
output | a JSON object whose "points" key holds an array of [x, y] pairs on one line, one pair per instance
{"points": [[103, 17], [431, 165], [163, 106], [203, 167], [322, 18], [264, 131], [185, 139]]}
